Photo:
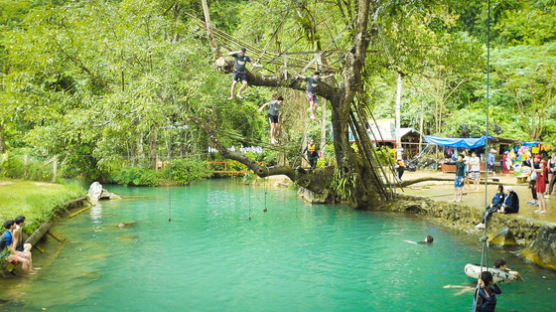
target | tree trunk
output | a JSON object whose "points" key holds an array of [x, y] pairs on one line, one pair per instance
{"points": [[399, 148], [350, 166], [213, 46], [323, 126], [421, 121]]}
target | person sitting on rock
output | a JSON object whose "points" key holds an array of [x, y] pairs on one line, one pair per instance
{"points": [[501, 265], [511, 203], [18, 232], [14, 256], [496, 204]]}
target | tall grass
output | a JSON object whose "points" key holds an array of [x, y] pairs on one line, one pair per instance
{"points": [[34, 200]]}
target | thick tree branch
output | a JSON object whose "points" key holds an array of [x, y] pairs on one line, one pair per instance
{"points": [[225, 64], [314, 180], [423, 179]]}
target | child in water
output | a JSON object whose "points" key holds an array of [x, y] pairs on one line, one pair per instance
{"points": [[428, 240]]}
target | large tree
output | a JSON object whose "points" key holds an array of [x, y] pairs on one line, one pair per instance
{"points": [[356, 176]]}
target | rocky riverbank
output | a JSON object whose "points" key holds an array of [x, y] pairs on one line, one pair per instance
{"points": [[536, 238]]}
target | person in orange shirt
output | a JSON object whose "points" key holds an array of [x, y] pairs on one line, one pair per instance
{"points": [[400, 168]]}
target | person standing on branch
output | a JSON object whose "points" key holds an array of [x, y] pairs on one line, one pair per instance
{"points": [[312, 153], [239, 72], [273, 114], [311, 90]]}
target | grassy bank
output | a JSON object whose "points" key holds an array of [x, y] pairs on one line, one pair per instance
{"points": [[35, 200]]}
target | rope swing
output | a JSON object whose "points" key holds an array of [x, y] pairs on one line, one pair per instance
{"points": [[484, 238]]}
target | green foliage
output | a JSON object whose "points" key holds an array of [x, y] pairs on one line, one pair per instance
{"points": [[184, 171], [344, 185], [136, 176], [36, 201], [386, 155], [99, 84], [14, 166]]}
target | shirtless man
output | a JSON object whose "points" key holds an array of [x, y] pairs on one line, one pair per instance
{"points": [[18, 233]]}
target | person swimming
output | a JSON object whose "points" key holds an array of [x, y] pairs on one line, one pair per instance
{"points": [[428, 240]]}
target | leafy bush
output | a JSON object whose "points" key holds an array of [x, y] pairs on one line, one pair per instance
{"points": [[385, 155], [136, 176], [13, 166], [187, 170]]}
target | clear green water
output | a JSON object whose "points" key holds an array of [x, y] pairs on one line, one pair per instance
{"points": [[296, 257]]}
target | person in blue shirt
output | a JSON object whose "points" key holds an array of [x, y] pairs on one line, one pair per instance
{"points": [[491, 161], [7, 237], [495, 205], [485, 295], [8, 243], [511, 203]]}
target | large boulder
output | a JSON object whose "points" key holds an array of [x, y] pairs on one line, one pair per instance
{"points": [[96, 193], [542, 250], [504, 238], [311, 197]]}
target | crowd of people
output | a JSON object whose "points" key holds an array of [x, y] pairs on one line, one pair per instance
{"points": [[12, 247], [541, 174]]}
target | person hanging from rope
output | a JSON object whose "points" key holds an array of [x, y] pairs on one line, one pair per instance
{"points": [[311, 90], [485, 295], [273, 114], [312, 152], [239, 72]]}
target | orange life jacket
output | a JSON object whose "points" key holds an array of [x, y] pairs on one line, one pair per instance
{"points": [[311, 148]]}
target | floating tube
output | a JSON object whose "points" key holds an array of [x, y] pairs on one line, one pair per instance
{"points": [[499, 276]]}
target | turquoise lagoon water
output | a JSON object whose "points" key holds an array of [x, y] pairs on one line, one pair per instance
{"points": [[295, 257]]}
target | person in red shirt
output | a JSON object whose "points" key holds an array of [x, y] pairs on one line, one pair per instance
{"points": [[540, 186]]}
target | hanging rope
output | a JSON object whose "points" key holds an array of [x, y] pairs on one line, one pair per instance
{"points": [[484, 251], [170, 193], [249, 195], [269, 57], [265, 192]]}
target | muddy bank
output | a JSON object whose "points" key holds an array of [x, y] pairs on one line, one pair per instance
{"points": [[536, 238]]}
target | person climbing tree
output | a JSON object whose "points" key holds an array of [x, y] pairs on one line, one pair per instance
{"points": [[239, 72], [311, 90], [312, 153], [273, 114]]}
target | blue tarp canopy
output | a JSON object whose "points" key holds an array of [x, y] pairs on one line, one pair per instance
{"points": [[458, 142], [531, 143]]}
